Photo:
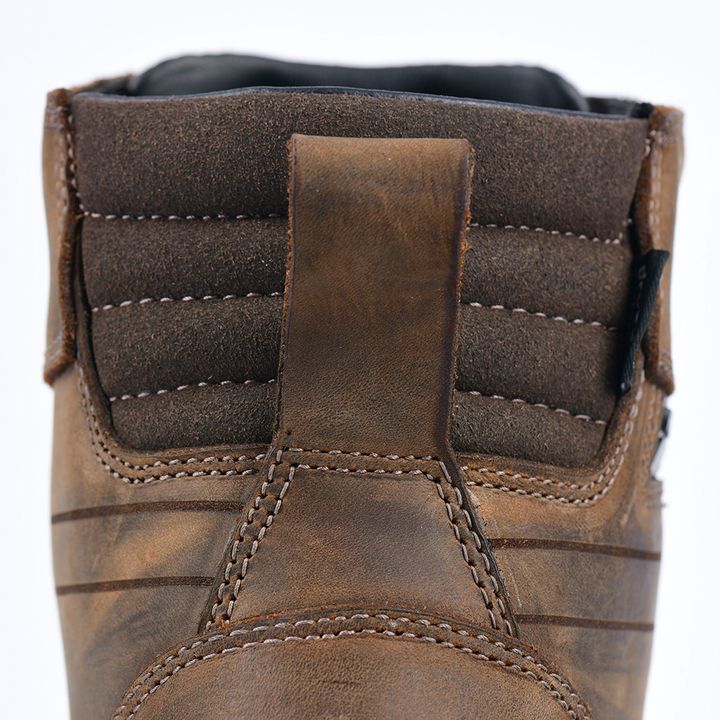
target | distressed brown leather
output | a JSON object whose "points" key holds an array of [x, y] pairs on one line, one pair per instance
{"points": [[431, 500], [655, 220], [348, 387]]}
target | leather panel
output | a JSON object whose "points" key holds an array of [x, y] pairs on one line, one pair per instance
{"points": [[373, 277], [352, 538]]}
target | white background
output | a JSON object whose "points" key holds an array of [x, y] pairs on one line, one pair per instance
{"points": [[664, 52]]}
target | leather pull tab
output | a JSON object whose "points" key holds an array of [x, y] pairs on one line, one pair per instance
{"points": [[376, 234]]}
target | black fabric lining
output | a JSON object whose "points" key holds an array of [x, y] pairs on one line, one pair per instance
{"points": [[531, 86]]}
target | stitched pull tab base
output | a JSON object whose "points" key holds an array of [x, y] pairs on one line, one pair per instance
{"points": [[361, 503]]}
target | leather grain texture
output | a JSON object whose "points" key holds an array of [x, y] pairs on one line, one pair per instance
{"points": [[60, 211], [374, 277], [654, 216], [357, 663]]}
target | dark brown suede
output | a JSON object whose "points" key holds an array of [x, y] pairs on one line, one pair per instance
{"points": [[223, 345], [402, 481]]}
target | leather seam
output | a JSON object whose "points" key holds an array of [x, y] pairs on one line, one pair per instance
{"points": [[186, 298], [240, 538], [606, 477], [478, 547], [100, 448], [151, 216], [419, 634], [250, 552], [357, 453], [180, 388]]}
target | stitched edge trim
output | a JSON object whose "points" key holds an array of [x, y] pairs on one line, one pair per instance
{"points": [[420, 629], [186, 298], [606, 477], [221, 216], [102, 451], [270, 501], [234, 576], [179, 388], [476, 545], [100, 448]]}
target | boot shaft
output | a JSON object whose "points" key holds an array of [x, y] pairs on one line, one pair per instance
{"points": [[439, 426]]}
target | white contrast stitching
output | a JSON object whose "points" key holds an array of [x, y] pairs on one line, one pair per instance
{"points": [[98, 444], [149, 393], [543, 406], [613, 466], [365, 632], [362, 471], [227, 614], [560, 233], [157, 216], [72, 175], [474, 573], [558, 318], [187, 298], [355, 453], [221, 216]]}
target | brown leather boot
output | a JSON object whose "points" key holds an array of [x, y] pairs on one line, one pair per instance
{"points": [[413, 478]]}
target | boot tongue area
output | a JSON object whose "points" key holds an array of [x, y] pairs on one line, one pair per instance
{"points": [[185, 198], [213, 73]]}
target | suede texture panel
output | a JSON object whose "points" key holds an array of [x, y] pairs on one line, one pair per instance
{"points": [[226, 154], [161, 346], [219, 415], [213, 415], [557, 275], [168, 258], [492, 426], [561, 276], [175, 313], [573, 368]]}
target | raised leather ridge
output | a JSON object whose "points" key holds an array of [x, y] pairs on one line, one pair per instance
{"points": [[361, 663]]}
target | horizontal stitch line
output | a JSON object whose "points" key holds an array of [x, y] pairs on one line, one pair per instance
{"points": [[572, 546], [365, 471], [606, 477], [221, 216], [366, 616], [98, 511], [105, 455], [278, 294], [542, 406], [559, 233], [149, 393], [158, 216], [358, 453], [563, 621], [187, 298], [557, 318], [136, 583]]}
